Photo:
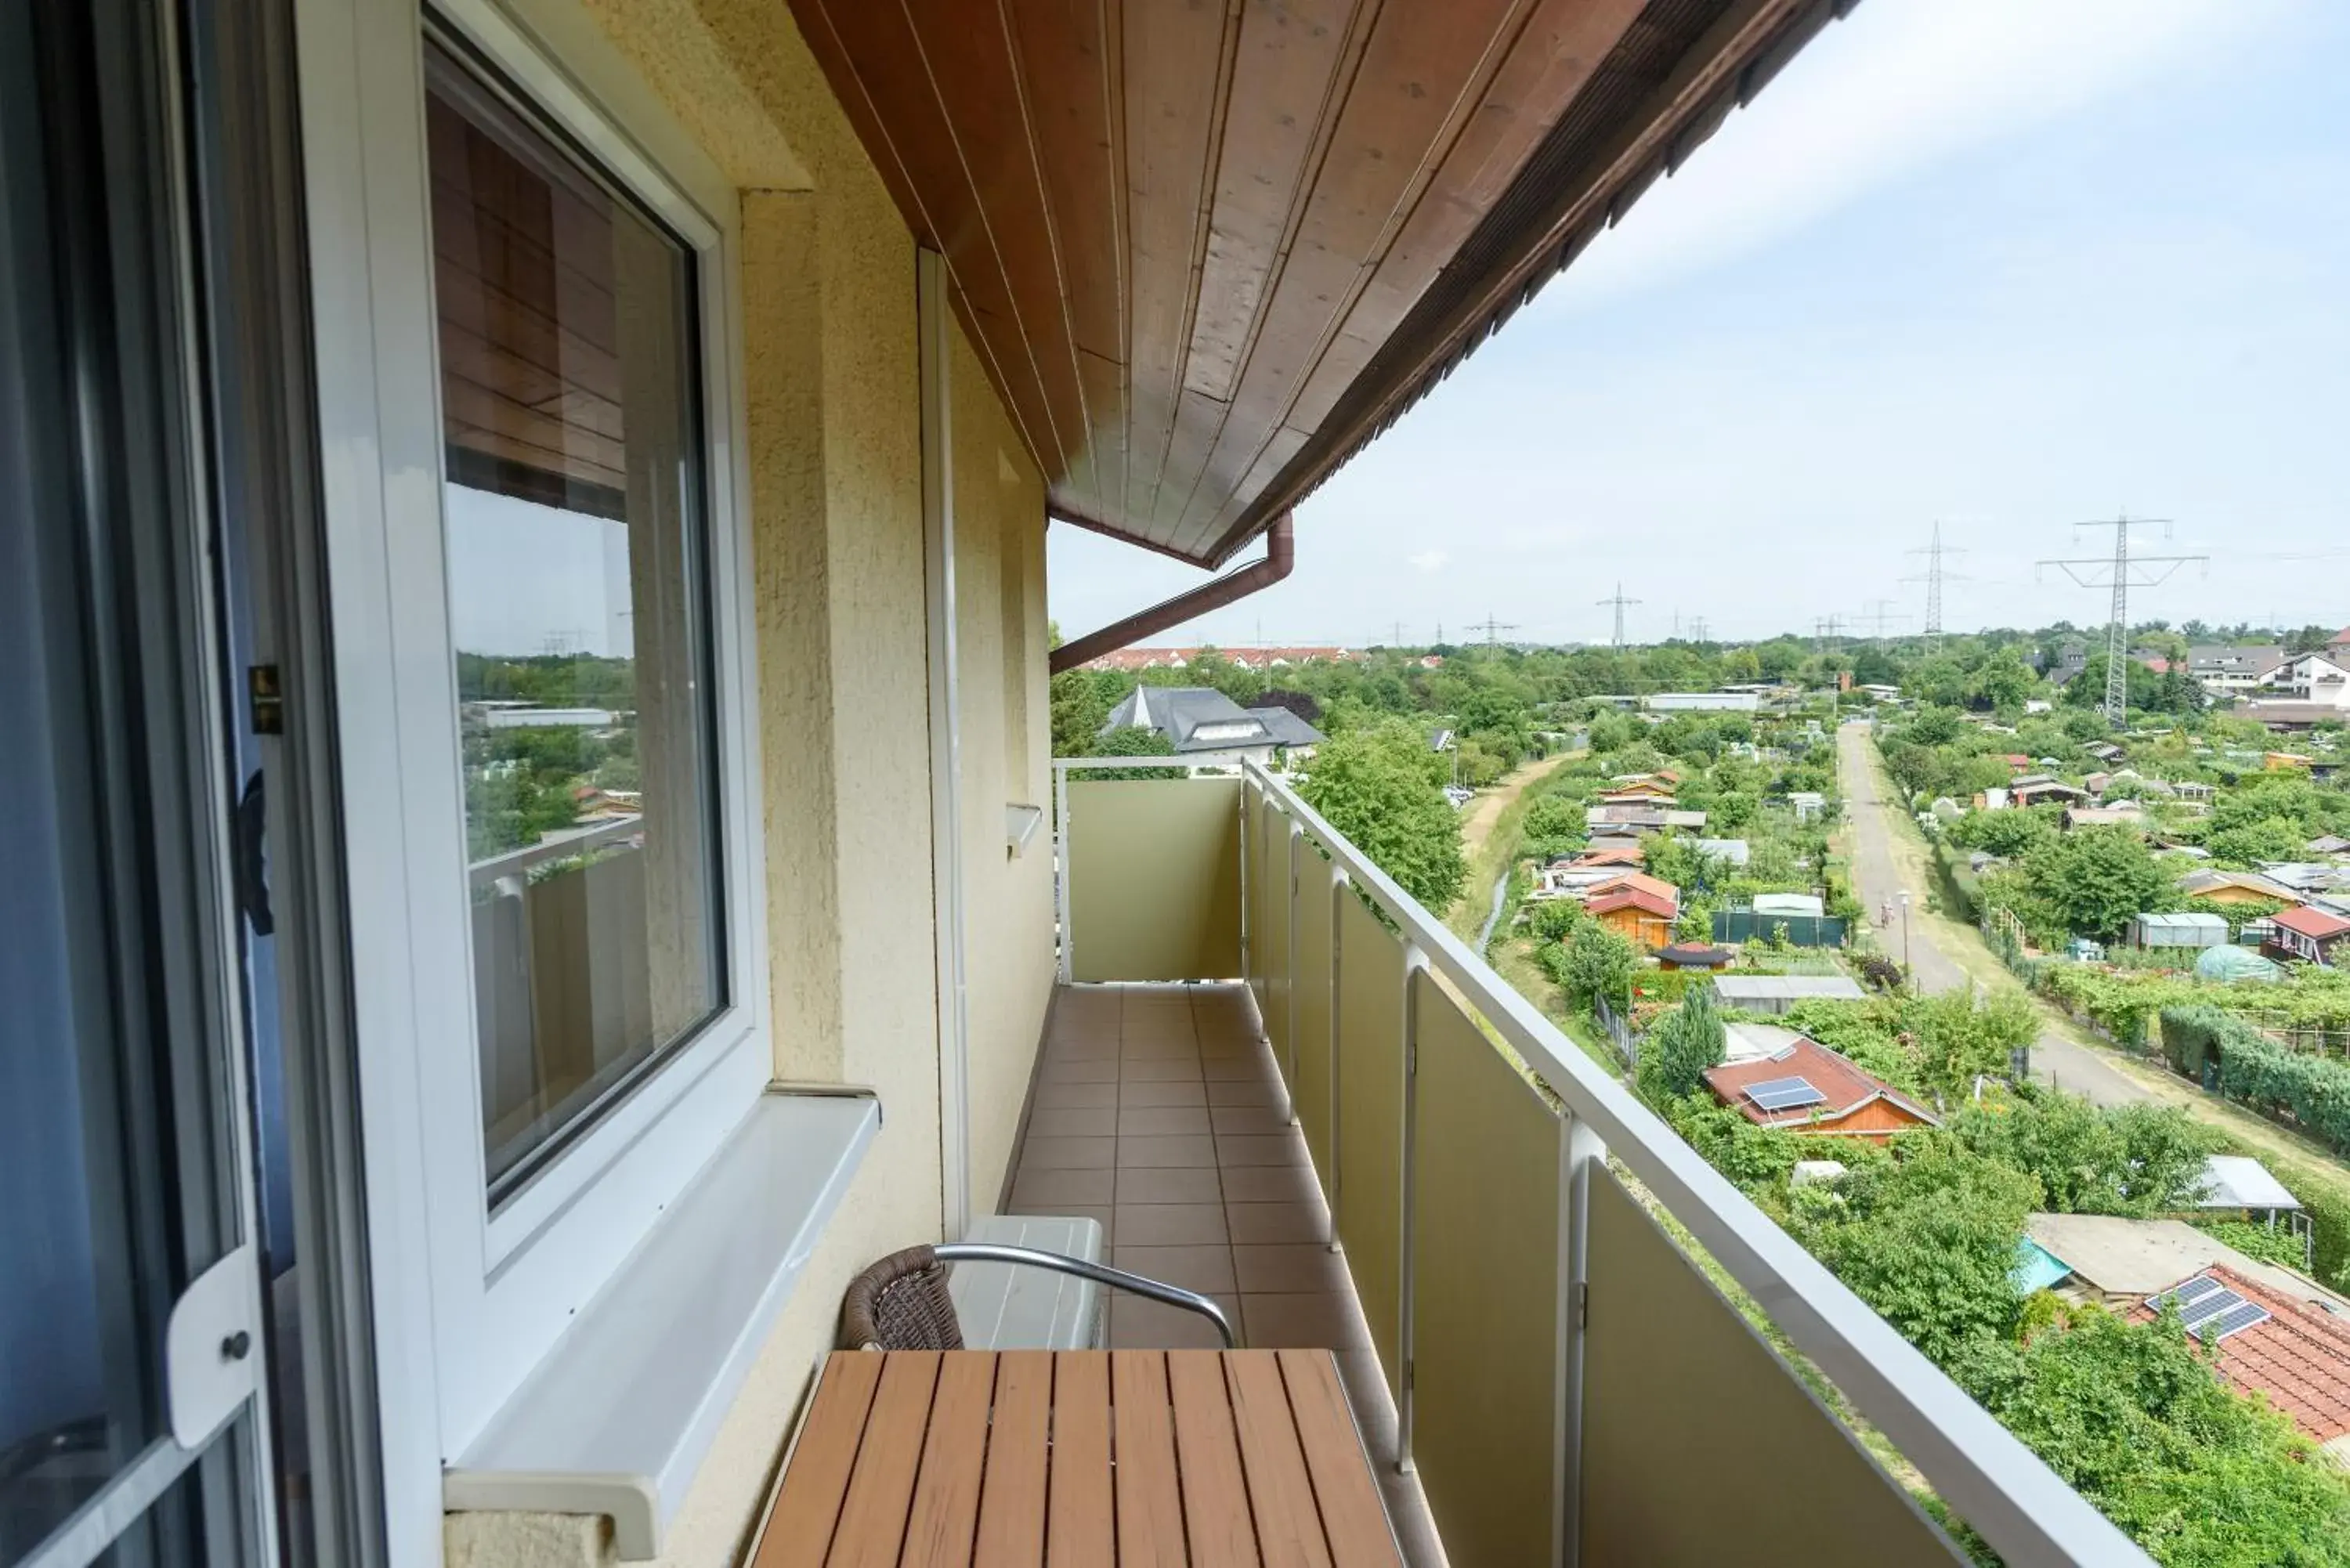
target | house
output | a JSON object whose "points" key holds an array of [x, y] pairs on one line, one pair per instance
{"points": [[1654, 788], [873, 292], [1695, 955], [2269, 1341], [2226, 670], [1772, 994], [2308, 935], [1641, 908], [2233, 887], [2155, 931], [1207, 727], [2288, 716], [2310, 678], [2327, 846], [1702, 702], [1809, 804], [2104, 751], [2039, 789], [1805, 1088]]}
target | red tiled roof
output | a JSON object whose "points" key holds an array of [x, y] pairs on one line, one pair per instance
{"points": [[1611, 855], [2313, 922], [1848, 1088], [1619, 897], [1654, 887], [2299, 1356]]}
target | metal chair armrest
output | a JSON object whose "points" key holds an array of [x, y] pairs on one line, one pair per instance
{"points": [[1101, 1274]]}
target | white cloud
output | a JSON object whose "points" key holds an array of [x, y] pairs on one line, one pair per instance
{"points": [[1429, 560], [1896, 88]]}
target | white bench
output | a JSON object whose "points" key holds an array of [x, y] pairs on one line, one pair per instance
{"points": [[1005, 1306]]}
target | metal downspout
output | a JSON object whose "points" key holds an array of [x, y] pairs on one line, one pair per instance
{"points": [[1280, 555]]}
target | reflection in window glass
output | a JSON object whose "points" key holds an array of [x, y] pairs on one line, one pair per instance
{"points": [[578, 597]]}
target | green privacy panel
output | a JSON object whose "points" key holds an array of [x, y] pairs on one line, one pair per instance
{"points": [[1154, 877]]}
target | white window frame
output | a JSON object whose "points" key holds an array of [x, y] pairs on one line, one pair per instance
{"points": [[498, 1287]]}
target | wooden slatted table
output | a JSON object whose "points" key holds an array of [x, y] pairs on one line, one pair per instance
{"points": [[1079, 1459]]}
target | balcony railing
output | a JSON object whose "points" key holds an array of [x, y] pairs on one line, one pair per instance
{"points": [[1570, 1387]]}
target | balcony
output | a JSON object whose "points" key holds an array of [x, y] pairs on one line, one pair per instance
{"points": [[1391, 1153]]}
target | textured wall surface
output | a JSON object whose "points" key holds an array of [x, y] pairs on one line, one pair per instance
{"points": [[835, 456]]}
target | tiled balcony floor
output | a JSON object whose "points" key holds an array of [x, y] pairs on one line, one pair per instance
{"points": [[1157, 1111]]}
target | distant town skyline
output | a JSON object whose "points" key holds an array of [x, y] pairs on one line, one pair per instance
{"points": [[2005, 268]]}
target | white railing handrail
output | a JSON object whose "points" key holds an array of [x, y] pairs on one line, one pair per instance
{"points": [[1987, 1475], [556, 845]]}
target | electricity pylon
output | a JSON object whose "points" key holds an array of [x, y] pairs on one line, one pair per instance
{"points": [[1619, 601], [2121, 573]]}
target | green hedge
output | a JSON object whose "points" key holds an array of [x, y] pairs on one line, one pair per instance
{"points": [[2311, 1092], [1958, 883]]}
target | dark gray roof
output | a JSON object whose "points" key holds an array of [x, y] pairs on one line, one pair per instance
{"points": [[1193, 719], [1286, 727]]}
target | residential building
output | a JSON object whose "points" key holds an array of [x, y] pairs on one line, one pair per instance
{"points": [[2270, 1343], [1806, 1088], [2308, 934], [1208, 728], [1638, 907], [377, 1200], [1127, 660], [2309, 677], [2224, 669], [2234, 887]]}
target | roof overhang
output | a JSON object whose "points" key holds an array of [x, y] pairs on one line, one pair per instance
{"points": [[1207, 252]]}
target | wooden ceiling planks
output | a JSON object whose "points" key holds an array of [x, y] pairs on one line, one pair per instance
{"points": [[1198, 242]]}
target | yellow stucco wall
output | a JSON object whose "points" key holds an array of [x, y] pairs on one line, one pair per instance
{"points": [[835, 456], [1006, 735]]}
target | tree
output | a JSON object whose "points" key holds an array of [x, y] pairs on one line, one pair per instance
{"points": [[1598, 962], [2006, 833], [1377, 788], [1684, 1043], [2137, 1159], [1133, 741], [2097, 878], [2243, 847], [1929, 1241], [1078, 710]]}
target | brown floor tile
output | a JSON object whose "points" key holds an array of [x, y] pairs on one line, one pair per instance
{"points": [[1091, 1048], [1264, 1223], [1271, 1184], [1070, 1096], [1236, 1069], [1208, 1270], [1148, 1091], [1243, 1091], [1158, 1070], [1290, 1266], [1323, 1320], [1196, 1149], [1232, 1044], [1139, 1324], [1068, 1154], [1100, 1121], [1158, 1049], [1048, 1190], [1171, 1224], [1258, 1120], [1161, 1121], [1102, 1215], [1077, 1072], [1170, 1184], [1253, 1148]]}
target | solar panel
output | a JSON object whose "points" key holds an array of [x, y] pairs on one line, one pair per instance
{"points": [[1784, 1094], [2207, 1306]]}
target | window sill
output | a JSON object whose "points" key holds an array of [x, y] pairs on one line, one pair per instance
{"points": [[616, 1420]]}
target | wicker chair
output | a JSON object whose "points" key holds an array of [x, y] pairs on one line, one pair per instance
{"points": [[901, 1302]]}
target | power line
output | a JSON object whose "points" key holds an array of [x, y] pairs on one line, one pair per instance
{"points": [[1619, 601], [2121, 573], [1697, 629], [1881, 611], [1933, 576], [1824, 629], [1492, 627]]}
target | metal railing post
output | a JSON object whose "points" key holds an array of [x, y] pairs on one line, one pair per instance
{"points": [[1415, 965], [1061, 862], [1244, 880], [1339, 882], [1289, 1008], [1580, 1153]]}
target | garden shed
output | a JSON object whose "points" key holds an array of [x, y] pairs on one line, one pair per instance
{"points": [[2180, 930]]}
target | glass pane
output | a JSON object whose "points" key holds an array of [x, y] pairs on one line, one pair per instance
{"points": [[578, 595]]}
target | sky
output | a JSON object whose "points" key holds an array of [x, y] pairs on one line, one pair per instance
{"points": [[2002, 265]]}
